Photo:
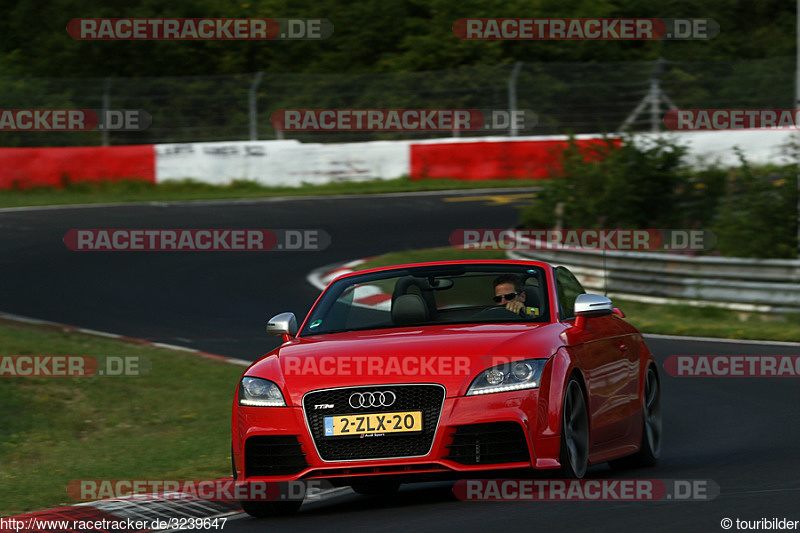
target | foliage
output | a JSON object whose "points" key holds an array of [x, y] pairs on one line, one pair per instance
{"points": [[646, 184], [370, 36], [632, 185], [758, 217]]}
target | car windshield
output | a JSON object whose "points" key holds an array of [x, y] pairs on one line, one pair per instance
{"points": [[427, 295]]}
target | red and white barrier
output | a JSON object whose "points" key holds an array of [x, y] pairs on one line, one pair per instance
{"points": [[295, 164], [291, 163], [54, 167], [494, 158]]}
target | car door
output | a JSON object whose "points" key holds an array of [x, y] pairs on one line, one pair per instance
{"points": [[602, 355]]}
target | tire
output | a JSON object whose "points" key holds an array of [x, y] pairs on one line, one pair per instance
{"points": [[650, 447], [376, 488], [266, 509], [574, 454], [233, 463]]}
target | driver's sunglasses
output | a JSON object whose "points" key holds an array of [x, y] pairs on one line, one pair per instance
{"points": [[509, 296]]}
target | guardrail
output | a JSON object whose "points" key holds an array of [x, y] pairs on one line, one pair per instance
{"points": [[762, 285]]}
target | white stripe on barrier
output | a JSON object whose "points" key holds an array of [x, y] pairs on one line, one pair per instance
{"points": [[282, 163]]}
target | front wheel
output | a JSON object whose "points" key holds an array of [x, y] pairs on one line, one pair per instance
{"points": [[263, 509], [574, 432]]}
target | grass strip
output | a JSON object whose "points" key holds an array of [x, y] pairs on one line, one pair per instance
{"points": [[187, 190], [172, 423]]}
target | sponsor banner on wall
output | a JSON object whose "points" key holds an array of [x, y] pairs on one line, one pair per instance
{"points": [[282, 163]]}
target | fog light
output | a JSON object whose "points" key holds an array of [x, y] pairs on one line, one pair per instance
{"points": [[494, 377]]}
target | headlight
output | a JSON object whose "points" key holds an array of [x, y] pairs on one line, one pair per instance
{"points": [[260, 393], [508, 377]]}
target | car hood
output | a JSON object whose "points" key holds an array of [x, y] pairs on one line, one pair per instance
{"points": [[449, 355]]}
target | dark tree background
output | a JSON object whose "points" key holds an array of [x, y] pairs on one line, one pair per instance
{"points": [[370, 36]]}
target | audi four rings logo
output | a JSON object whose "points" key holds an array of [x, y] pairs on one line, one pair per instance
{"points": [[372, 399]]}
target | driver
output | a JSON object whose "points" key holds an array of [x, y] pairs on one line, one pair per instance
{"points": [[509, 291]]}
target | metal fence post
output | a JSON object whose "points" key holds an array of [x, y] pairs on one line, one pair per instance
{"points": [[106, 106], [655, 98], [253, 111], [797, 106], [512, 95]]}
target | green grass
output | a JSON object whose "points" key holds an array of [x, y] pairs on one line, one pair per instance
{"points": [[431, 254], [173, 423], [665, 319], [141, 191], [707, 321]]}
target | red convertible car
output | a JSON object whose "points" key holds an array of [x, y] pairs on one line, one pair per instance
{"points": [[456, 369]]}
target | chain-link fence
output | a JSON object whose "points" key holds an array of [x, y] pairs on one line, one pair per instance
{"points": [[566, 97]]}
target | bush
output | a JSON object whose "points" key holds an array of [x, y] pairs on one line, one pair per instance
{"points": [[646, 184], [636, 184], [758, 217]]}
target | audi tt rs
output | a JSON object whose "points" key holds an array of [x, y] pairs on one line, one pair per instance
{"points": [[453, 369]]}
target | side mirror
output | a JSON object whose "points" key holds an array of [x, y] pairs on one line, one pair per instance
{"points": [[590, 306], [283, 325]]}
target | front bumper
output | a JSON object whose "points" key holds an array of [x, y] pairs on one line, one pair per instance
{"points": [[492, 432]]}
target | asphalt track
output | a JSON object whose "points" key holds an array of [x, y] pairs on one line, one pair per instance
{"points": [[213, 301], [740, 433]]}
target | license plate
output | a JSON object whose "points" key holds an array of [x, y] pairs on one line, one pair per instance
{"points": [[407, 421]]}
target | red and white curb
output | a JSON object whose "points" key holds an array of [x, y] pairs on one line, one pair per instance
{"points": [[367, 296], [322, 277]]}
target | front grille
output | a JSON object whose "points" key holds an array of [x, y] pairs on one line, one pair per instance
{"points": [[426, 398], [491, 443], [273, 455]]}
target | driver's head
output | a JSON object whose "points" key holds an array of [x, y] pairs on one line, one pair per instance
{"points": [[508, 287]]}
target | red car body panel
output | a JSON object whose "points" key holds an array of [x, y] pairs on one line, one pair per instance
{"points": [[608, 356]]}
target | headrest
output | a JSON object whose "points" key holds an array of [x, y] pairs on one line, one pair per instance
{"points": [[409, 309], [415, 285], [533, 297]]}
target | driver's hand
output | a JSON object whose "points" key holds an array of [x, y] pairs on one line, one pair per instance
{"points": [[515, 306]]}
